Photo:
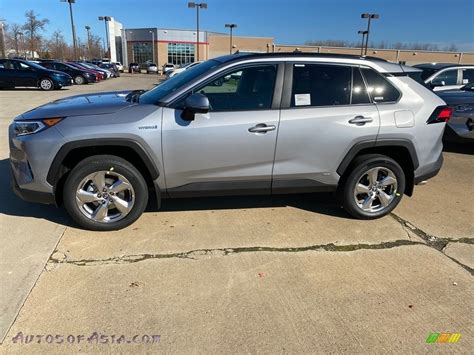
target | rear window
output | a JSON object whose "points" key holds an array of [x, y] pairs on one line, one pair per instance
{"points": [[379, 88]]}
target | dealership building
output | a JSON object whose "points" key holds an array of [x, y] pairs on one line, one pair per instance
{"points": [[175, 46], [179, 46]]}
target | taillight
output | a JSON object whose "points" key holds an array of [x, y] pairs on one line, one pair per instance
{"points": [[441, 114]]}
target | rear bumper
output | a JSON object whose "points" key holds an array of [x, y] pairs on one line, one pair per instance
{"points": [[429, 171]]}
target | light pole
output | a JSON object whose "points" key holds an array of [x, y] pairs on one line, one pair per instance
{"points": [[153, 45], [363, 33], [88, 29], [2, 40], [106, 19], [231, 26], [198, 6], [369, 17], [70, 2]]}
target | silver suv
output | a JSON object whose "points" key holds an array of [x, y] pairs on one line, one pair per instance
{"points": [[238, 124]]}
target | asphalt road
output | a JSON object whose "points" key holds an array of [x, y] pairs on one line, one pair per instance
{"points": [[281, 274]]}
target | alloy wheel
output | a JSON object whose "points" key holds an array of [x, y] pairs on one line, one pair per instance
{"points": [[105, 196], [376, 189], [46, 84]]}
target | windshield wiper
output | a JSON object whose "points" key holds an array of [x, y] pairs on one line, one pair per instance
{"points": [[133, 96]]}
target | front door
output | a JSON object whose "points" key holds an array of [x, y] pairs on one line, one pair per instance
{"points": [[230, 149], [26, 75]]}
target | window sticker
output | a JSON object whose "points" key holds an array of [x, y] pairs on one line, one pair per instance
{"points": [[302, 99]]}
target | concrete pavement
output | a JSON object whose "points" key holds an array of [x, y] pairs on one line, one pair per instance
{"points": [[241, 274]]}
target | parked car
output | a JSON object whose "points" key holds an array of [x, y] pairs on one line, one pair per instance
{"points": [[99, 75], [166, 68], [176, 71], [119, 66], [16, 72], [79, 76], [359, 126], [92, 66], [460, 127], [446, 76], [151, 68], [111, 68], [134, 68], [82, 65]]}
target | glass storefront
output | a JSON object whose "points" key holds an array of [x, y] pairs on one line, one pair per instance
{"points": [[180, 53], [141, 52]]}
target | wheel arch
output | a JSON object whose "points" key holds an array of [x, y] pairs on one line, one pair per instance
{"points": [[73, 152], [401, 150]]}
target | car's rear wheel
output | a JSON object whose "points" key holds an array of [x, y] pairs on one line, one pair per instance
{"points": [[79, 80], [46, 84], [105, 193], [373, 187]]}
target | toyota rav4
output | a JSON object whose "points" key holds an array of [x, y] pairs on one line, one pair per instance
{"points": [[238, 124]]}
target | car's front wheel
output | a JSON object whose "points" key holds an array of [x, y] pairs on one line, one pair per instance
{"points": [[46, 84], [373, 187], [79, 80], [104, 193]]}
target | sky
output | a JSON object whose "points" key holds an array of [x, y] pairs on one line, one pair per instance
{"points": [[439, 22]]}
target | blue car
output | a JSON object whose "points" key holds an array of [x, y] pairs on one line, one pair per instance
{"points": [[17, 72]]}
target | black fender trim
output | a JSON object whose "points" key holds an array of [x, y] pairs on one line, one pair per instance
{"points": [[352, 153], [97, 142]]}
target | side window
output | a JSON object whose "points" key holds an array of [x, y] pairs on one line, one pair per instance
{"points": [[467, 76], [23, 67], [60, 67], [321, 85], [450, 77], [379, 88], [249, 88], [359, 93]]}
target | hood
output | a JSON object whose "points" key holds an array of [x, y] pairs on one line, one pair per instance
{"points": [[81, 105]]}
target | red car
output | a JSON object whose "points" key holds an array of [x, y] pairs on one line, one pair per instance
{"points": [[99, 75]]}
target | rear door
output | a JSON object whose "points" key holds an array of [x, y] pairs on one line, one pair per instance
{"points": [[325, 111]]}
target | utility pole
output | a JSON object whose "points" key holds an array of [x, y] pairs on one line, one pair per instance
{"points": [[363, 33], [2, 40], [106, 19], [369, 17], [88, 29], [231, 26], [74, 44], [198, 6]]}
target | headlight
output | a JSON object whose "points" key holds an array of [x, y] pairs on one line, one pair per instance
{"points": [[23, 128]]}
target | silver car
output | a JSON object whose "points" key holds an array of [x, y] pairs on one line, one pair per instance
{"points": [[238, 124]]}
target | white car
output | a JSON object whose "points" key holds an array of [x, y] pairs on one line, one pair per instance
{"points": [[446, 76], [167, 68], [119, 66], [172, 73], [151, 68]]}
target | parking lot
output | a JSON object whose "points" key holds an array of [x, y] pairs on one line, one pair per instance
{"points": [[240, 274]]}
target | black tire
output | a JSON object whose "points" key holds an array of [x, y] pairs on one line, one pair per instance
{"points": [[356, 171], [80, 80], [46, 84], [105, 163]]}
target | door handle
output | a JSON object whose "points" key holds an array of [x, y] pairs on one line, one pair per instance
{"points": [[360, 120], [261, 128]]}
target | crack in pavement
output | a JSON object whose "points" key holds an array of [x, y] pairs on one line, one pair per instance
{"points": [[434, 241], [200, 253]]}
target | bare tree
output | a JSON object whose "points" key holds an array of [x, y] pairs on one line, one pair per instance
{"points": [[12, 39], [32, 27]]}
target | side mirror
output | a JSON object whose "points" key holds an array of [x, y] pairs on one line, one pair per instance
{"points": [[438, 82], [196, 103]]}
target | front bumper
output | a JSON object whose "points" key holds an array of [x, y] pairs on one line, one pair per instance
{"points": [[62, 81], [30, 195]]}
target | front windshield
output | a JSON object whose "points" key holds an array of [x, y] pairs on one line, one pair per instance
{"points": [[35, 65], [174, 83]]}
